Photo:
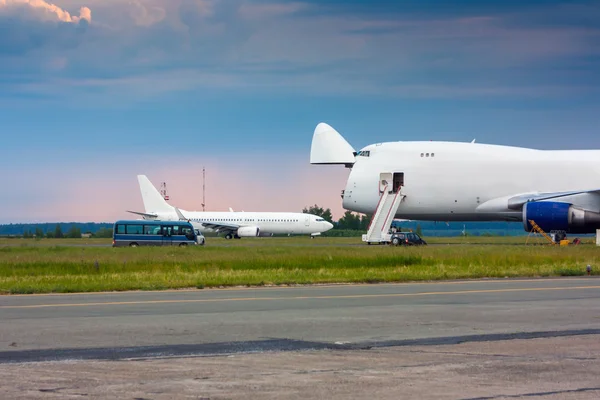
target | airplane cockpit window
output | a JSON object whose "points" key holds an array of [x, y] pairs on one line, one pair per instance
{"points": [[364, 153]]}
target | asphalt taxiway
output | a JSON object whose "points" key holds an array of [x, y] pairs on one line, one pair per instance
{"points": [[200, 322], [488, 339]]}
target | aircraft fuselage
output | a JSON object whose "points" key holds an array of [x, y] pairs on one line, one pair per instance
{"points": [[449, 181]]}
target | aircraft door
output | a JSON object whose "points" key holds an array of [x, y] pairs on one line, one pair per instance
{"points": [[385, 179], [398, 181], [307, 220]]}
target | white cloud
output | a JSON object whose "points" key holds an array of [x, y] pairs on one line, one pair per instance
{"points": [[146, 15], [47, 11]]}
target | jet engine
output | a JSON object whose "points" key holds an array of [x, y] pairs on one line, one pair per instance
{"points": [[248, 231], [560, 217]]}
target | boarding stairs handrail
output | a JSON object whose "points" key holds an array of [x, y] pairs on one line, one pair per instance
{"points": [[382, 218], [385, 224], [377, 208]]}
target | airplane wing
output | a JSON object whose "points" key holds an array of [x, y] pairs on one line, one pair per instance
{"points": [[220, 227], [216, 226], [143, 214], [517, 202]]}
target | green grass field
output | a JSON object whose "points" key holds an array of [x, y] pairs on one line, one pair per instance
{"points": [[87, 265]]}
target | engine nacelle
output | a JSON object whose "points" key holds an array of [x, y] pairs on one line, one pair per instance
{"points": [[248, 231], [555, 216]]}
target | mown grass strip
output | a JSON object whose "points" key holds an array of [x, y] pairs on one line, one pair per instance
{"points": [[46, 269]]}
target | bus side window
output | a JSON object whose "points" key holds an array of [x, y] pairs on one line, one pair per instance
{"points": [[134, 229], [175, 230], [151, 230], [121, 229]]}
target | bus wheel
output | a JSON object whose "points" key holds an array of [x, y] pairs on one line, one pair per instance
{"points": [[182, 244], [133, 244]]}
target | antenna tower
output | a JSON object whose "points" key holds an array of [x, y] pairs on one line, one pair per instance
{"points": [[163, 190], [203, 188]]}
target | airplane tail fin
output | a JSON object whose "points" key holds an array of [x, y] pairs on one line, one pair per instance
{"points": [[153, 201], [329, 147]]}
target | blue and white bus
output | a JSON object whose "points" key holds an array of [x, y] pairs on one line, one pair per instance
{"points": [[154, 233]]}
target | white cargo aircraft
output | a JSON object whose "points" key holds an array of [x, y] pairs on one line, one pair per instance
{"points": [[452, 181], [231, 224]]}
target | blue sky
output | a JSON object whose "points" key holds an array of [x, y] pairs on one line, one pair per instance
{"points": [[93, 92]]}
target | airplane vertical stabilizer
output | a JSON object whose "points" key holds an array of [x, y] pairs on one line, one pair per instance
{"points": [[153, 201], [329, 147]]}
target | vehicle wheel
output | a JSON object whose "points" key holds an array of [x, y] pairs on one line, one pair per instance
{"points": [[133, 245], [395, 241], [182, 244], [228, 236], [203, 242]]}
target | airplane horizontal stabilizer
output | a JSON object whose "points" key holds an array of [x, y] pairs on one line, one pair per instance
{"points": [[147, 215]]}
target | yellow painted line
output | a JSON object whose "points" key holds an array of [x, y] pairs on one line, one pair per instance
{"points": [[358, 296], [304, 286]]}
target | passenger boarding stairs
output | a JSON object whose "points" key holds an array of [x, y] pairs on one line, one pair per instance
{"points": [[381, 222], [536, 228]]}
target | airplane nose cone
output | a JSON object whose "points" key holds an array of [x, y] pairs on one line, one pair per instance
{"points": [[328, 225]]}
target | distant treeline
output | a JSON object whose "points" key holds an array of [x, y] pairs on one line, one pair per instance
{"points": [[351, 224], [58, 230], [430, 229]]}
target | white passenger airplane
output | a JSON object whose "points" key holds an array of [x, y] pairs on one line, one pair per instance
{"points": [[451, 181], [231, 224]]}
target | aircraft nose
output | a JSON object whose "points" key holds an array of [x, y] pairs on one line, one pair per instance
{"points": [[329, 225]]}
